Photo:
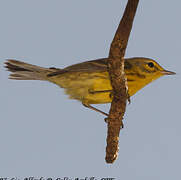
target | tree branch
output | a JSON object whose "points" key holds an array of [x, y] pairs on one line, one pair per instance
{"points": [[118, 80]]}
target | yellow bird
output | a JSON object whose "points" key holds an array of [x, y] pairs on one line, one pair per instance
{"points": [[89, 81]]}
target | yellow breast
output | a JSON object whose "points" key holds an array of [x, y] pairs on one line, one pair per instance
{"points": [[86, 87]]}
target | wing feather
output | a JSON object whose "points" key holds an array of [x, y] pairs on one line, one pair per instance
{"points": [[99, 65]]}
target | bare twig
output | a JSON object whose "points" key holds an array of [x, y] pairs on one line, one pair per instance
{"points": [[118, 81]]}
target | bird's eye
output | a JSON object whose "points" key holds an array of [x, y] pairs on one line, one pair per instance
{"points": [[150, 64]]}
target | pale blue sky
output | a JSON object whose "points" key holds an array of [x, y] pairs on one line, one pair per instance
{"points": [[42, 133]]}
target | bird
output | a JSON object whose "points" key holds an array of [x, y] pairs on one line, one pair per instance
{"points": [[89, 81]]}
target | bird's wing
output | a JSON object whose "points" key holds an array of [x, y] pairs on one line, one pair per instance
{"points": [[99, 65]]}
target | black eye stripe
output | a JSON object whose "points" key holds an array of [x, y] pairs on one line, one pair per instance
{"points": [[150, 64]]}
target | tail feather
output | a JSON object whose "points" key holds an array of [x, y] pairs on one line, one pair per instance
{"points": [[25, 71]]}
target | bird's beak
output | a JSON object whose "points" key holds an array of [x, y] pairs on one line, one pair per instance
{"points": [[165, 72]]}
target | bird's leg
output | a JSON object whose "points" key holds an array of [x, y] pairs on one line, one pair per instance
{"points": [[95, 92], [97, 110], [93, 108], [111, 96]]}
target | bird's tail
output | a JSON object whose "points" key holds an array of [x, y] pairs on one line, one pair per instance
{"points": [[24, 71]]}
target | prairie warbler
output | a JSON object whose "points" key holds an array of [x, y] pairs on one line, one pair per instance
{"points": [[89, 81]]}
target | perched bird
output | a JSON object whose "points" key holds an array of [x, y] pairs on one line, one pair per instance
{"points": [[89, 81]]}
